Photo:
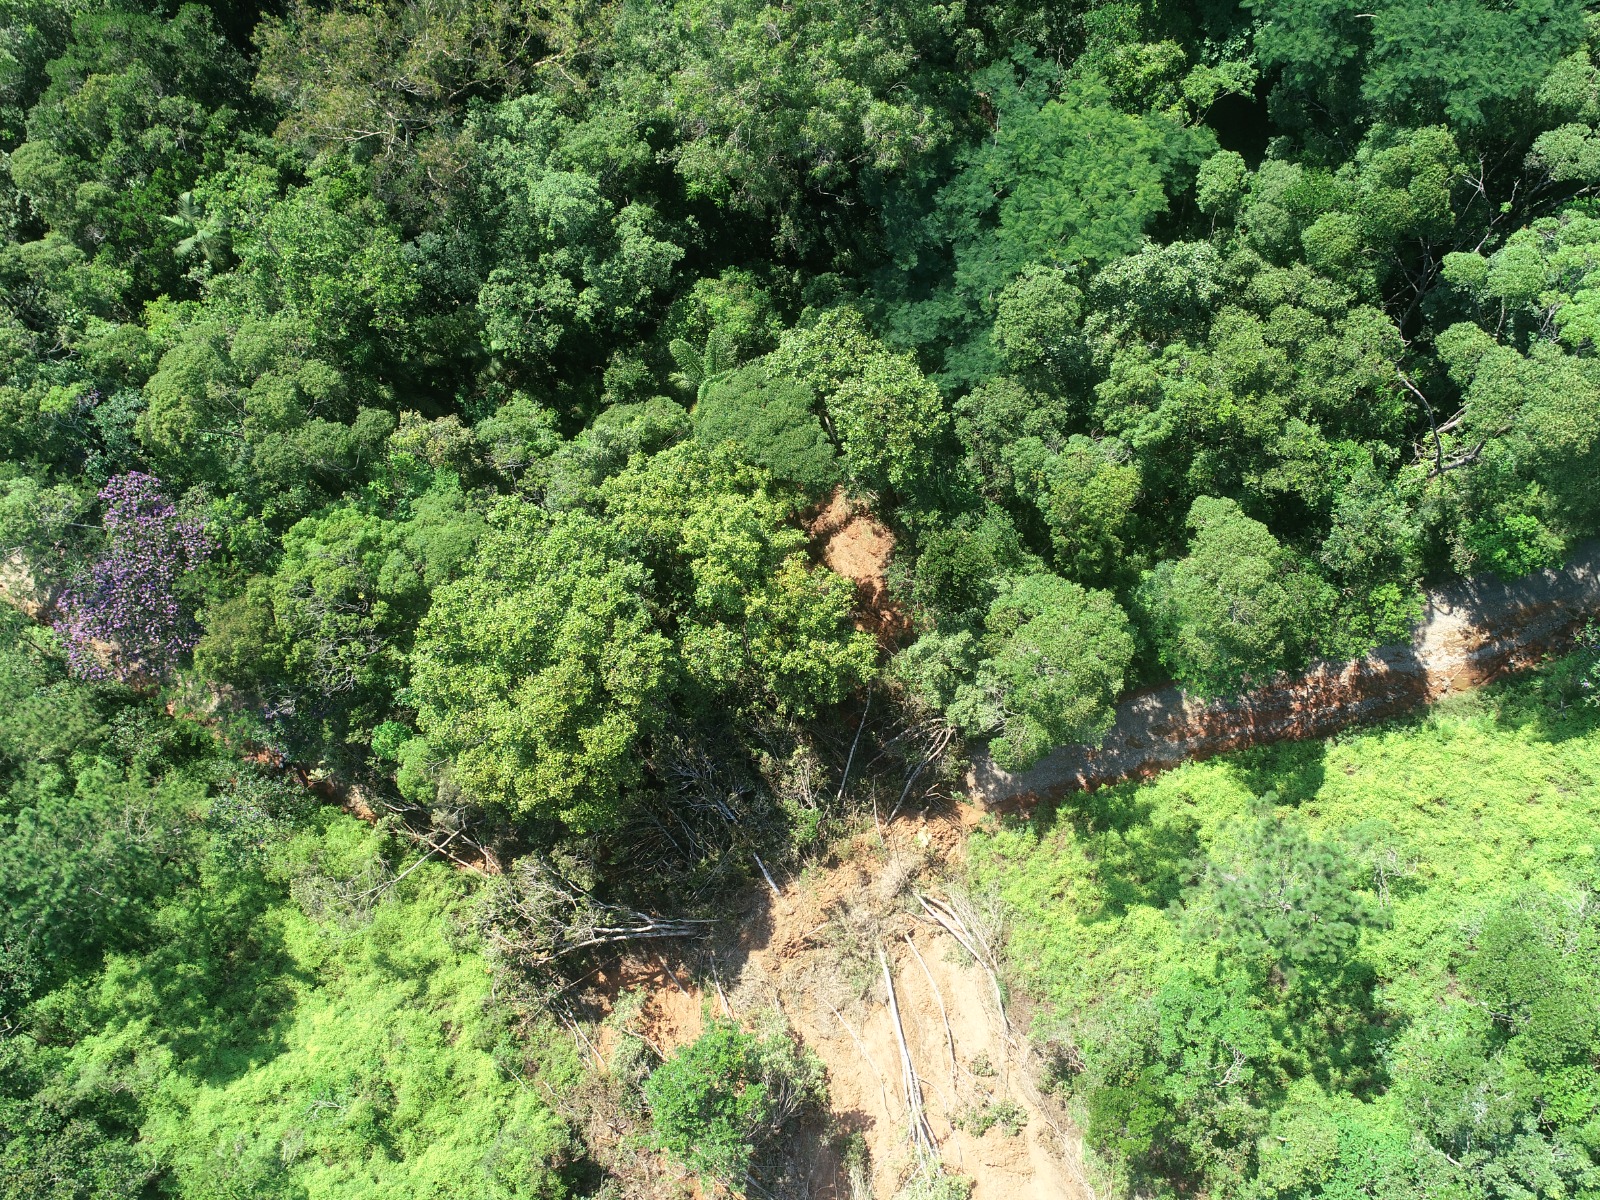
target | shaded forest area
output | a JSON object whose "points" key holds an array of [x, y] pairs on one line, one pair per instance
{"points": [[436, 396]]}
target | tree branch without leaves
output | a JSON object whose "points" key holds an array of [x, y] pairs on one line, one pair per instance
{"points": [[537, 916]]}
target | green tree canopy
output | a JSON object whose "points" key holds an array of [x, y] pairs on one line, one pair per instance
{"points": [[773, 423], [1466, 60], [1236, 608], [755, 622], [1066, 180], [574, 262], [137, 107], [571, 635], [1512, 460], [770, 102], [1275, 895], [886, 416], [1059, 656], [537, 672]]}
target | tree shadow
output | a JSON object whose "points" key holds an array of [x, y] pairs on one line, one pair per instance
{"points": [[1293, 771], [1137, 861]]}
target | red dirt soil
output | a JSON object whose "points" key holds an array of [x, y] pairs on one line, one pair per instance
{"points": [[806, 958], [851, 542]]}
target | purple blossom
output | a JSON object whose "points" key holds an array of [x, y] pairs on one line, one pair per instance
{"points": [[123, 617]]}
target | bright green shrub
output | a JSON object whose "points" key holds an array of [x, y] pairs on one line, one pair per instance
{"points": [[1383, 984], [717, 1101]]}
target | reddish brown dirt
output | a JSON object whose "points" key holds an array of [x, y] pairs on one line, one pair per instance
{"points": [[1472, 633], [814, 957], [850, 541], [673, 1011]]}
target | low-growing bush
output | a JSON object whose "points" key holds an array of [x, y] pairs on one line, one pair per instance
{"points": [[722, 1099]]}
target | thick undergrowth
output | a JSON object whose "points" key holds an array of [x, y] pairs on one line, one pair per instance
{"points": [[1365, 963]]}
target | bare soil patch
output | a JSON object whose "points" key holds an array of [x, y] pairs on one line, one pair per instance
{"points": [[672, 1012], [812, 952], [850, 541], [815, 958]]}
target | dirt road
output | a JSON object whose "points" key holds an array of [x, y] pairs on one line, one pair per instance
{"points": [[1471, 633]]}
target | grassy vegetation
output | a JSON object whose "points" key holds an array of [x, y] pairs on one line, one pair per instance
{"points": [[1445, 831], [377, 1076], [306, 1028]]}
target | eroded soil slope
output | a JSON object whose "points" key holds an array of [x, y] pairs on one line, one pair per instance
{"points": [[818, 960], [812, 950]]}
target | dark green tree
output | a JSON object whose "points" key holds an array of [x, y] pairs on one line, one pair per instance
{"points": [[1468, 61], [773, 423], [1234, 610]]}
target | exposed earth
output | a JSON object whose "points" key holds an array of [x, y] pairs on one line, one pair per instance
{"points": [[811, 951], [850, 541]]}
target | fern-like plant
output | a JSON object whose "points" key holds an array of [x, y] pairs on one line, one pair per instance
{"points": [[699, 369]]}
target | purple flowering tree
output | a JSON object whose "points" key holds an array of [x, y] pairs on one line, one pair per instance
{"points": [[123, 617]]}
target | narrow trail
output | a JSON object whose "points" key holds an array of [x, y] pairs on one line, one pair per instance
{"points": [[1471, 633]]}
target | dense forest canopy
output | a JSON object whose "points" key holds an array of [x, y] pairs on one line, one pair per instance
{"points": [[437, 397]]}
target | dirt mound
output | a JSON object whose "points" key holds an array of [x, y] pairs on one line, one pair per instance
{"points": [[1471, 634], [672, 1011], [850, 541]]}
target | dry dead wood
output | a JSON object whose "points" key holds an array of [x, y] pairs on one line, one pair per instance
{"points": [[950, 1038], [921, 1132], [951, 923]]}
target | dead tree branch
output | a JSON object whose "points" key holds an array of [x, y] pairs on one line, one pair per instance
{"points": [[921, 1132]]}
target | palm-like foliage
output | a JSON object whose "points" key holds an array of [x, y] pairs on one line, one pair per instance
{"points": [[699, 369], [207, 235]]}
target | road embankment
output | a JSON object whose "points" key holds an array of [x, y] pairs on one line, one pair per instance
{"points": [[1471, 633]]}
